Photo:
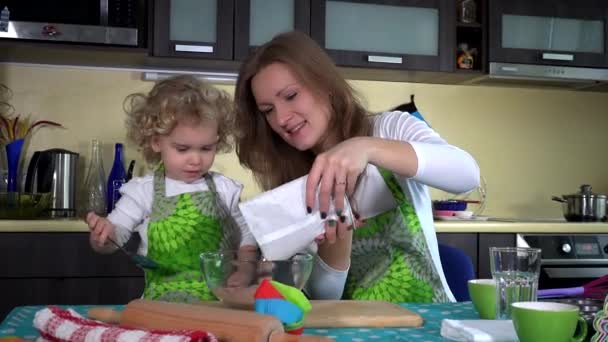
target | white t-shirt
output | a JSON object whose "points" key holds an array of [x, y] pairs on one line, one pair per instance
{"points": [[440, 165], [132, 211]]}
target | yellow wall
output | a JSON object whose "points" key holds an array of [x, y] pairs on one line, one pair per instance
{"points": [[529, 143]]}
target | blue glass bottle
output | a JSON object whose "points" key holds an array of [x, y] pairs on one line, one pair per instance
{"points": [[117, 177]]}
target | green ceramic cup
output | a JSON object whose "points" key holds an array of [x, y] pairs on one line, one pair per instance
{"points": [[483, 295], [547, 321]]}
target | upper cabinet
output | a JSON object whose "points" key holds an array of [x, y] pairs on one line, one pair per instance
{"points": [[471, 35], [257, 21], [194, 28], [223, 29], [549, 32], [406, 34]]}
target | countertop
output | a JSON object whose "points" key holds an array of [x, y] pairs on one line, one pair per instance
{"points": [[489, 226]]}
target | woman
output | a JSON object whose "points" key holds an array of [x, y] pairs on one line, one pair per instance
{"points": [[297, 115]]}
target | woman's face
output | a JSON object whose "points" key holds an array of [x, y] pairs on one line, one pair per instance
{"points": [[291, 109]]}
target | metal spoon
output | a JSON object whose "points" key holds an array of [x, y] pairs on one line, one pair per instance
{"points": [[139, 260]]}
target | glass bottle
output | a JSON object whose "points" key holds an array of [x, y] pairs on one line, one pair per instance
{"points": [[5, 17], [95, 183], [467, 11], [117, 177]]}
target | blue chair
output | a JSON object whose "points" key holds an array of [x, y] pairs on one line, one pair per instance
{"points": [[458, 270]]}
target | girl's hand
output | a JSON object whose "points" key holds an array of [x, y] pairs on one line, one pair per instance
{"points": [[336, 171], [100, 228], [243, 277]]}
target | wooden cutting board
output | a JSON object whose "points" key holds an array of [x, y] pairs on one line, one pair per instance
{"points": [[359, 313], [355, 314]]}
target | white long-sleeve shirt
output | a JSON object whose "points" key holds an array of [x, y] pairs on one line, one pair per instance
{"points": [[132, 211], [440, 165]]}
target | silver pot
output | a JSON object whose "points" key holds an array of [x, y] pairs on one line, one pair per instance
{"points": [[583, 206]]}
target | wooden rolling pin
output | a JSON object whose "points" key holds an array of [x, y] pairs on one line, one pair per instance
{"points": [[226, 324]]}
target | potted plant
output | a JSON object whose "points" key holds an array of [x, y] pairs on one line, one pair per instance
{"points": [[14, 129]]}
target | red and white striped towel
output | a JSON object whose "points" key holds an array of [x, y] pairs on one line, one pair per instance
{"points": [[55, 324]]}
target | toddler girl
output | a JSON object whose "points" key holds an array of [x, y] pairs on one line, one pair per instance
{"points": [[179, 126]]}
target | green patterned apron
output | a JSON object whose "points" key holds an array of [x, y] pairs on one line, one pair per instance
{"points": [[181, 228], [390, 258]]}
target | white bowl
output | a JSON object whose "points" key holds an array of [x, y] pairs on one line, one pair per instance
{"points": [[464, 214]]}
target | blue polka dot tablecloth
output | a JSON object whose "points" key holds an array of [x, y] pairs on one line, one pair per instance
{"points": [[19, 323]]}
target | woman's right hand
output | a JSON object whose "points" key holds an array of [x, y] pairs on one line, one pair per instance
{"points": [[100, 228], [337, 230], [334, 174]]}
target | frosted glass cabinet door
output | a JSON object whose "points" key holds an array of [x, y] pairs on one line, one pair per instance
{"points": [[552, 32], [257, 21], [406, 34], [194, 28]]}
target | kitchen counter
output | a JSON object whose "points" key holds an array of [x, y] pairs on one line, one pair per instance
{"points": [[513, 226], [490, 226]]}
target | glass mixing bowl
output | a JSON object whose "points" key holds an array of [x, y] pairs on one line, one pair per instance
{"points": [[234, 280], [24, 205]]}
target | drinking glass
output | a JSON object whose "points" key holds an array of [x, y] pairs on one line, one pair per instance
{"points": [[516, 272]]}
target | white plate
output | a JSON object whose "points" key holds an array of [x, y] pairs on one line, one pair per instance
{"points": [[455, 218]]}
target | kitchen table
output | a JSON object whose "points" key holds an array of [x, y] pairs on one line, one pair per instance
{"points": [[19, 323]]}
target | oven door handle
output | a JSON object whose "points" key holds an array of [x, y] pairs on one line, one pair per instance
{"points": [[575, 272], [577, 262]]}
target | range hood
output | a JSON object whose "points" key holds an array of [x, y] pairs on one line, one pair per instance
{"points": [[521, 75]]}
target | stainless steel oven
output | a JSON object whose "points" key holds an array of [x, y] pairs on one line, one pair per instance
{"points": [[113, 22], [568, 260]]}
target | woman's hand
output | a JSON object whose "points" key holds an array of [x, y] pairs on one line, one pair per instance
{"points": [[338, 230], [335, 172]]}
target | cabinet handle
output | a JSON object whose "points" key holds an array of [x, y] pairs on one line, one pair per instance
{"points": [[384, 59], [558, 56], [509, 69], [194, 48]]}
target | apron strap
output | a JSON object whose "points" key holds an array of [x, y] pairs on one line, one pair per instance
{"points": [[232, 231], [394, 186], [159, 183]]}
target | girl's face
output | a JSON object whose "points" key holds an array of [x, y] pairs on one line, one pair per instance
{"points": [[188, 151], [291, 109]]}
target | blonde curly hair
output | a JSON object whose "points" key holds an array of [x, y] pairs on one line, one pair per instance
{"points": [[177, 99]]}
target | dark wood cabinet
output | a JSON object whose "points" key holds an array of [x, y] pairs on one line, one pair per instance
{"points": [[61, 268], [406, 34], [549, 32], [472, 38], [477, 247], [257, 21], [491, 240], [194, 29], [466, 242], [393, 40], [223, 29]]}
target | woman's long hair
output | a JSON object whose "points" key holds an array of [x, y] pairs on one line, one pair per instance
{"points": [[272, 160]]}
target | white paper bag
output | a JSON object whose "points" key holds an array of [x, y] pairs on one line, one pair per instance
{"points": [[372, 196], [280, 223], [281, 226]]}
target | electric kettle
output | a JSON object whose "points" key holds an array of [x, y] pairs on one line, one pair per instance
{"points": [[54, 171]]}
